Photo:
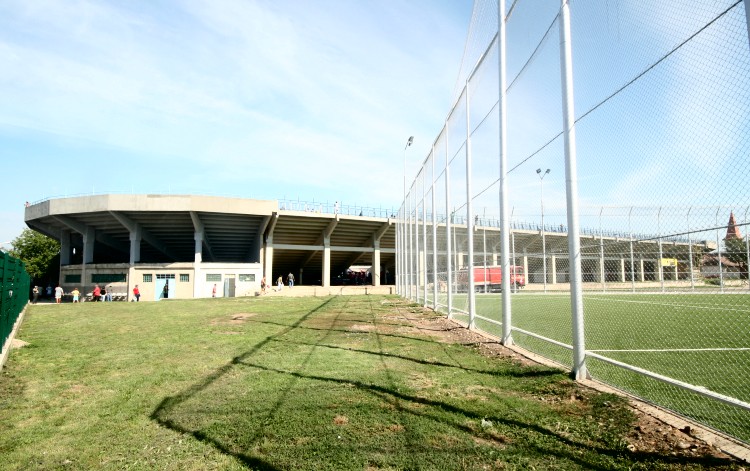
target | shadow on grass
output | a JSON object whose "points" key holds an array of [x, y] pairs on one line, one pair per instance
{"points": [[526, 372], [344, 331], [393, 395], [389, 394], [160, 414]]}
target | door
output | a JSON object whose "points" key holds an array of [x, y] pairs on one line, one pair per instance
{"points": [[229, 287], [164, 288]]}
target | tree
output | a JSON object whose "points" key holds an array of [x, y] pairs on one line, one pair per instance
{"points": [[39, 252], [736, 252]]}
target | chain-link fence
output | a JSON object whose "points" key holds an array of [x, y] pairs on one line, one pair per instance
{"points": [[589, 200]]}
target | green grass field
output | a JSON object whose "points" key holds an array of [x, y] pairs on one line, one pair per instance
{"points": [[702, 339], [292, 383]]}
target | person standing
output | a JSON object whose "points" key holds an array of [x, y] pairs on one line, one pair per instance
{"points": [[75, 294], [58, 294], [137, 293], [263, 285], [290, 279], [279, 283], [165, 291], [103, 294], [213, 292], [97, 293], [35, 294]]}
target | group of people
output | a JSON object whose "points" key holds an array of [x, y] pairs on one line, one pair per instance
{"points": [[98, 294], [101, 294], [58, 293], [279, 283]]}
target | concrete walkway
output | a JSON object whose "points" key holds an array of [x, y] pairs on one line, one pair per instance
{"points": [[331, 290]]}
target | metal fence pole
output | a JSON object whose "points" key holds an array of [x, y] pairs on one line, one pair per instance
{"points": [[411, 247], [660, 263], [602, 264], [448, 227], [632, 260], [434, 237], [469, 216], [424, 234], [506, 339], [718, 248], [571, 176], [690, 251], [399, 247]]}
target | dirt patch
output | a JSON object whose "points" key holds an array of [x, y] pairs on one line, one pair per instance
{"points": [[17, 343], [362, 328], [648, 433], [341, 420], [234, 319]]}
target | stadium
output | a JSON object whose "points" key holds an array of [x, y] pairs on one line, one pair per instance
{"points": [[190, 243]]}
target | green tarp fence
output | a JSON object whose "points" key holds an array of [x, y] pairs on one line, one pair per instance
{"points": [[14, 293]]}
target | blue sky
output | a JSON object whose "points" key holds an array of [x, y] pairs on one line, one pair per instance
{"points": [[256, 99]]}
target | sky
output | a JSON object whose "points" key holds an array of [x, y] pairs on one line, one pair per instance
{"points": [[253, 99]]}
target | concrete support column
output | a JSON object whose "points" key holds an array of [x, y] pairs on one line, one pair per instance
{"points": [[135, 244], [494, 259], [622, 270], [88, 245], [132, 281], [88, 256], [553, 263], [198, 236], [375, 270], [526, 267], [326, 262], [268, 262], [643, 273], [65, 249]]}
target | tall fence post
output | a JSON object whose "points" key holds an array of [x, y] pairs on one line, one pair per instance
{"points": [[660, 263], [434, 237], [602, 263], [469, 216], [448, 227], [507, 339], [424, 235], [571, 177], [690, 251], [718, 248]]}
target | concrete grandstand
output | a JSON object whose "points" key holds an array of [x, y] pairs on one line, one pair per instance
{"points": [[181, 246]]}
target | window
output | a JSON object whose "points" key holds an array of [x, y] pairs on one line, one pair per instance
{"points": [[184, 277], [213, 277], [247, 277], [165, 276], [108, 278], [73, 279], [147, 278]]}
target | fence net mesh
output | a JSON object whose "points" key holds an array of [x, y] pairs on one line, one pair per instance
{"points": [[661, 100]]}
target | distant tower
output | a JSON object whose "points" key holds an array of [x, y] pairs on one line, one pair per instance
{"points": [[733, 232]]}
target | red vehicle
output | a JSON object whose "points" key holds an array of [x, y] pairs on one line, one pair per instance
{"points": [[488, 279]]}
